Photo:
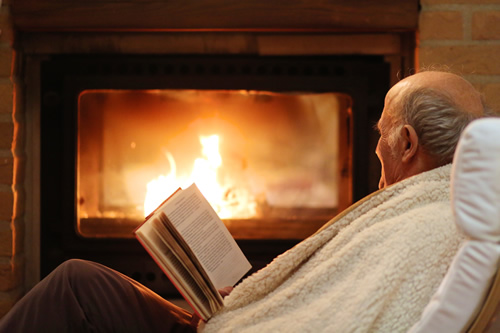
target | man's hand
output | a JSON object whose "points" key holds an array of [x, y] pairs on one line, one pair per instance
{"points": [[225, 291]]}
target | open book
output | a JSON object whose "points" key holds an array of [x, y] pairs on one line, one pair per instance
{"points": [[194, 249]]}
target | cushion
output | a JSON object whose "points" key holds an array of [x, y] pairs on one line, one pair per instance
{"points": [[475, 187]]}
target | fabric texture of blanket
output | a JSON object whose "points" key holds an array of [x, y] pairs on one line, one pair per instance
{"points": [[373, 268]]}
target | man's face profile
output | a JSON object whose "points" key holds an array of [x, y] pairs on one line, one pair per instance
{"points": [[388, 156]]}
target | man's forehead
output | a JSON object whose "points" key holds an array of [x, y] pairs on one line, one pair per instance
{"points": [[382, 122]]}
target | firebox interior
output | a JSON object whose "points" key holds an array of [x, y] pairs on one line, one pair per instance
{"points": [[255, 155]]}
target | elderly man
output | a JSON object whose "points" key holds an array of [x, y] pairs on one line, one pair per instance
{"points": [[372, 268]]}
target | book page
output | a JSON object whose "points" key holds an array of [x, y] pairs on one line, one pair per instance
{"points": [[207, 236]]}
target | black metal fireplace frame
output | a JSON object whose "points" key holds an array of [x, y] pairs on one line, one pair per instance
{"points": [[63, 77]]}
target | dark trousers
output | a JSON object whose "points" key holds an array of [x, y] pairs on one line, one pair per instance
{"points": [[82, 296]]}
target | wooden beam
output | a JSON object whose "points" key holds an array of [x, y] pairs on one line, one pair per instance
{"points": [[215, 15], [276, 44]]}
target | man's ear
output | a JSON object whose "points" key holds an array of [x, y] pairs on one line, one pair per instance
{"points": [[410, 139]]}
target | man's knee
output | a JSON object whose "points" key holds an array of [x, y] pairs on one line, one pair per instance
{"points": [[73, 265], [76, 270]]}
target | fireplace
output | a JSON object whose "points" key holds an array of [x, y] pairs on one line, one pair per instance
{"points": [[293, 134], [69, 59]]}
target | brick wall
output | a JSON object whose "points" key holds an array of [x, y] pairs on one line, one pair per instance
{"points": [[463, 35], [11, 171]]}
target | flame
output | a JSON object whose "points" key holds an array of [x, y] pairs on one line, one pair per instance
{"points": [[161, 187], [227, 200]]}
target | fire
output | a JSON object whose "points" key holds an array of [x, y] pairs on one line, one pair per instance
{"points": [[228, 201], [161, 187]]}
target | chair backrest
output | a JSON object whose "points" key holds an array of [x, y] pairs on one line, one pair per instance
{"points": [[468, 298]]}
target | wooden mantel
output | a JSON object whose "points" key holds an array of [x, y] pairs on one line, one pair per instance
{"points": [[215, 15]]}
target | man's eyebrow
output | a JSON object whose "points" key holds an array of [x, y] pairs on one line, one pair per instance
{"points": [[376, 126]]}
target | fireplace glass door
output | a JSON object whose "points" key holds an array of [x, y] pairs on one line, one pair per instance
{"points": [[257, 156]]}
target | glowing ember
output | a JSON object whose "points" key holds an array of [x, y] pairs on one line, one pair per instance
{"points": [[228, 201]]}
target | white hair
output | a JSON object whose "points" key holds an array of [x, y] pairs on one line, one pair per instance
{"points": [[437, 120]]}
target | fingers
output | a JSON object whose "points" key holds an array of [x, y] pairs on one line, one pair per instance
{"points": [[225, 291]]}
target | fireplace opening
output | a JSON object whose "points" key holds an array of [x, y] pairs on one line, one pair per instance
{"points": [[293, 136], [255, 155]]}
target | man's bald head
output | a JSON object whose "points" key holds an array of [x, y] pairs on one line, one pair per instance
{"points": [[455, 87], [423, 117]]}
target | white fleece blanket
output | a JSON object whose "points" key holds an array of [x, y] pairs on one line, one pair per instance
{"points": [[371, 269]]}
